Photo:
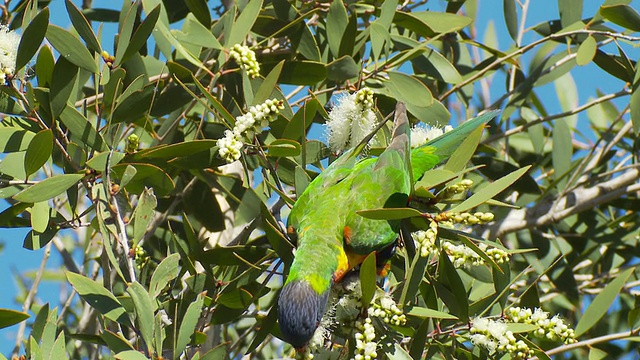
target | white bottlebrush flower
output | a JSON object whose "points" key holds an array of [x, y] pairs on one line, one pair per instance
{"points": [[9, 42], [351, 120], [420, 135]]}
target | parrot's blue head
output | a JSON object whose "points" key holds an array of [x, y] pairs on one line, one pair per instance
{"points": [[300, 309]]}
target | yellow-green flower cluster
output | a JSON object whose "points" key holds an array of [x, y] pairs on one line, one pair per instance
{"points": [[257, 118], [493, 336], [132, 144], [551, 329], [246, 58], [426, 240], [9, 42], [365, 341], [140, 257], [464, 256], [472, 219], [351, 120], [387, 310]]}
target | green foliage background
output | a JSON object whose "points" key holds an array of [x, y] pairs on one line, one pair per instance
{"points": [[183, 254]]}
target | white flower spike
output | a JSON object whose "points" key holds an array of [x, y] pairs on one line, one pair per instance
{"points": [[9, 42], [351, 120]]}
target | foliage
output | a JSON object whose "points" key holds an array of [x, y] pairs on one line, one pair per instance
{"points": [[184, 254]]}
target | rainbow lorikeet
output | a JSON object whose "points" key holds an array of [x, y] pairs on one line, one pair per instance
{"points": [[333, 238]]}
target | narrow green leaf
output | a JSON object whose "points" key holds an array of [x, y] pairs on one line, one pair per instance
{"points": [[511, 17], [9, 317], [48, 188], [368, 278], [623, 15], [9, 106], [343, 69], [40, 216], [562, 151], [115, 342], [188, 324], [303, 72], [336, 25], [600, 305], [276, 238], [32, 38], [409, 89], [635, 102], [398, 353], [130, 355], [570, 11], [98, 297], [63, 81], [144, 308], [431, 23], [35, 240], [586, 51], [200, 9], [38, 152], [59, 351], [460, 158], [82, 26], [490, 190], [71, 48], [283, 148], [426, 313], [268, 85], [141, 35], [81, 128], [166, 271], [244, 23], [193, 32], [128, 174], [127, 20], [99, 161], [389, 213], [143, 215]]}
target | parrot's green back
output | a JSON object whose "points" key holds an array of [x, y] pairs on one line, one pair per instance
{"points": [[333, 238]]}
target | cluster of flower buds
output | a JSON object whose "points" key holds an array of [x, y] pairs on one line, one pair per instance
{"points": [[246, 59], [464, 256], [493, 336], [387, 310], [140, 257], [108, 59], [551, 329], [420, 135], [132, 144], [426, 240], [457, 188], [351, 120], [257, 118], [9, 42], [365, 341]]}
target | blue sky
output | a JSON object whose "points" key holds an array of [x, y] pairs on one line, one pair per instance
{"points": [[15, 259]]}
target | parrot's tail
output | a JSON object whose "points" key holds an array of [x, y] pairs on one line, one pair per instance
{"points": [[401, 130]]}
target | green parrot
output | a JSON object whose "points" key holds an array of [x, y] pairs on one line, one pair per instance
{"points": [[333, 238]]}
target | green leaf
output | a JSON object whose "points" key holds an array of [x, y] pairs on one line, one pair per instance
{"points": [[140, 36], [166, 271], [58, 351], [586, 51], [9, 317], [99, 161], [32, 37], [490, 190], [48, 188], [244, 23], [431, 23], [519, 328], [389, 213], [409, 89], [398, 353], [144, 308], [188, 324], [83, 27], [283, 148], [176, 150], [62, 82], [98, 297], [143, 215], [623, 15], [511, 17], [303, 73], [368, 278], [40, 216], [635, 102], [133, 107], [130, 355], [127, 19], [35, 240], [276, 238], [336, 25], [570, 11], [81, 128], [115, 342], [600, 305], [562, 151], [9, 106], [268, 85], [426, 313], [460, 158], [147, 175], [343, 69], [200, 10], [38, 152], [71, 48], [193, 32]]}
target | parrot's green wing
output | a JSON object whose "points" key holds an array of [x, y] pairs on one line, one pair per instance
{"points": [[432, 153]]}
